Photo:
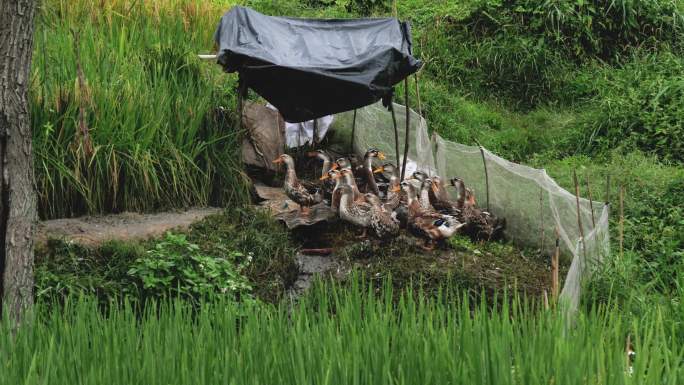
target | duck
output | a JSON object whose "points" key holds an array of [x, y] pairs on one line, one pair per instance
{"points": [[424, 197], [393, 196], [336, 176], [439, 198], [417, 179], [322, 155], [431, 226], [367, 170], [294, 189], [326, 183], [383, 223], [461, 190], [349, 179], [480, 224], [354, 212]]}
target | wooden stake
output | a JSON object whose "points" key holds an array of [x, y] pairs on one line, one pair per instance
{"points": [[546, 300], [607, 197], [554, 268], [622, 220], [420, 110], [579, 217], [408, 127], [591, 203], [541, 219], [628, 352]]}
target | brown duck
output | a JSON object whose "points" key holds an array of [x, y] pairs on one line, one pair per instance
{"points": [[427, 224], [294, 189]]}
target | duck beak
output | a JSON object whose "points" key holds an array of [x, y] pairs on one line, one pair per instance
{"points": [[278, 160], [378, 170], [381, 155], [335, 166], [396, 188], [324, 177]]}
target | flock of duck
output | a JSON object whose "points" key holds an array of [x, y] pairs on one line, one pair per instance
{"points": [[375, 198]]}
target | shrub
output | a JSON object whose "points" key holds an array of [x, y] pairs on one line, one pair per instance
{"points": [[179, 268]]}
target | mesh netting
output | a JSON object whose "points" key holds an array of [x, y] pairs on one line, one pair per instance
{"points": [[533, 204]]}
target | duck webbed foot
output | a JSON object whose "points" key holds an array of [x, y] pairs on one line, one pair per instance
{"points": [[429, 245], [304, 210]]}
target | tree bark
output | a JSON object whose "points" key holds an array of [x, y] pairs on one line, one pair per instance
{"points": [[17, 191]]}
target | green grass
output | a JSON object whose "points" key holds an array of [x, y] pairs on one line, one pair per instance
{"points": [[258, 250], [337, 336]]}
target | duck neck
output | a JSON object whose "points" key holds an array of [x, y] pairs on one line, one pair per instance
{"points": [[326, 164], [368, 165], [461, 193], [424, 195], [441, 191], [345, 201], [291, 174], [368, 162]]}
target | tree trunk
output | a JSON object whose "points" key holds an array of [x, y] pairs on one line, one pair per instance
{"points": [[17, 190]]}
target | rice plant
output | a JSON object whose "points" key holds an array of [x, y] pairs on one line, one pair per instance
{"points": [[125, 116], [338, 336]]}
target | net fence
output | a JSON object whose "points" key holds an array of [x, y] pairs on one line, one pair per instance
{"points": [[533, 204]]}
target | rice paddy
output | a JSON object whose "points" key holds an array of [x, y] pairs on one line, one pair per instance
{"points": [[338, 336], [147, 126]]}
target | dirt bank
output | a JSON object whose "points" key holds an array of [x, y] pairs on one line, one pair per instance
{"points": [[94, 230]]}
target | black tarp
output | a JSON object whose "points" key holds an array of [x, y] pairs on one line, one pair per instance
{"points": [[309, 68]]}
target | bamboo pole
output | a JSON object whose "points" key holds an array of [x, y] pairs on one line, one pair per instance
{"points": [[554, 268], [351, 145], [484, 162], [622, 220], [408, 127], [607, 197], [207, 56], [591, 203], [314, 140], [396, 132], [579, 217]]}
